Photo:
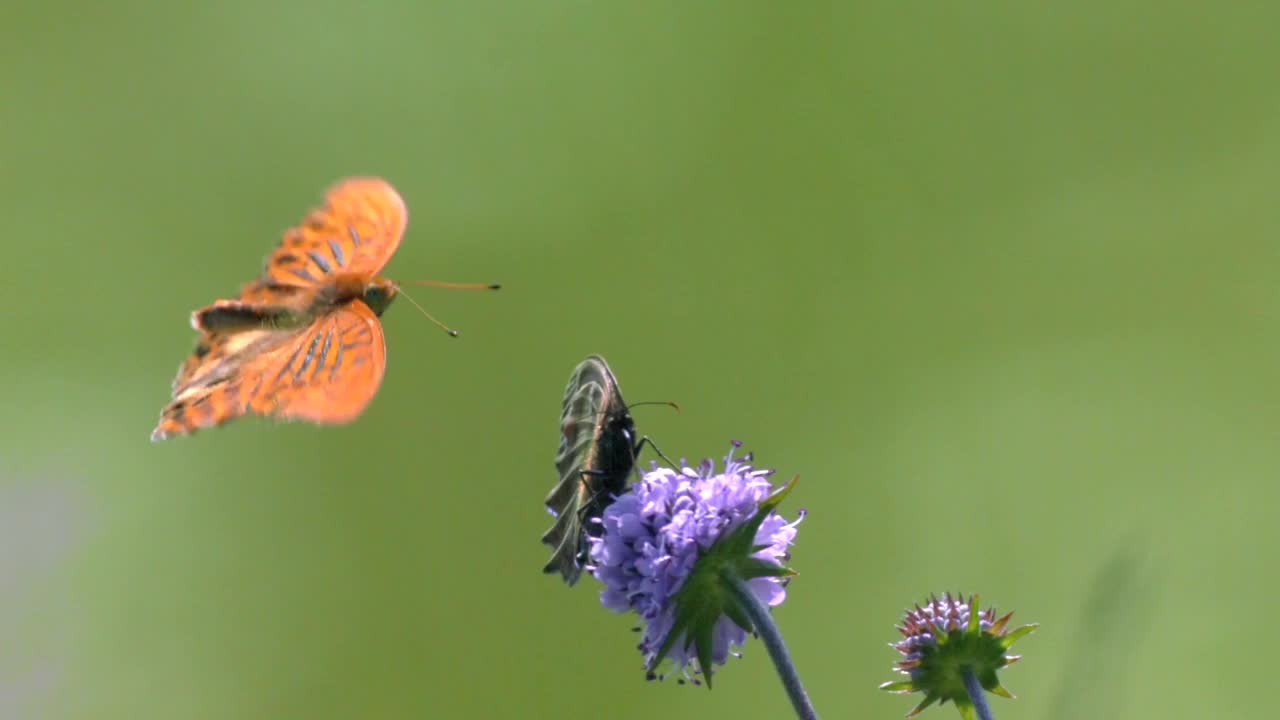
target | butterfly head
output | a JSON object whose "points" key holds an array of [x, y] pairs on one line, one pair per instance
{"points": [[378, 294], [616, 440], [622, 424]]}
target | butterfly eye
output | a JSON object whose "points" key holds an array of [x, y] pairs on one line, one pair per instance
{"points": [[377, 298]]}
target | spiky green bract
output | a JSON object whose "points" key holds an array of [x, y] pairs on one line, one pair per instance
{"points": [[708, 595], [947, 638]]}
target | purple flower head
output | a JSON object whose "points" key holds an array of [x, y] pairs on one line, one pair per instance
{"points": [[656, 534], [947, 637]]}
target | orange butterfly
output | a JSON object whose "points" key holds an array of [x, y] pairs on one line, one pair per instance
{"points": [[303, 341]]}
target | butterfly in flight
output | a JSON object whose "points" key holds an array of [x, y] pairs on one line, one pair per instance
{"points": [[598, 449], [303, 341]]}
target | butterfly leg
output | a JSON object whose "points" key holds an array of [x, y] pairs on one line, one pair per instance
{"points": [[590, 503], [648, 440], [585, 513]]}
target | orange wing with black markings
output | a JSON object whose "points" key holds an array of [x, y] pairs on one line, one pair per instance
{"points": [[329, 374], [326, 372], [355, 233]]}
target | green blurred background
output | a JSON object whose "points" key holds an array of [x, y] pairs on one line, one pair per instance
{"points": [[998, 281]]}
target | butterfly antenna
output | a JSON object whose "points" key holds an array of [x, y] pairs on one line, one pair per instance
{"points": [[442, 326], [646, 440], [455, 286], [668, 403]]}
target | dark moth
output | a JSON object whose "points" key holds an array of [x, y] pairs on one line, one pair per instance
{"points": [[598, 448]]}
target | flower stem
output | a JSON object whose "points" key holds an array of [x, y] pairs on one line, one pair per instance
{"points": [[767, 629], [976, 694]]}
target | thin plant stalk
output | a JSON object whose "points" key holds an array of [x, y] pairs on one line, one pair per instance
{"points": [[977, 695], [768, 631]]}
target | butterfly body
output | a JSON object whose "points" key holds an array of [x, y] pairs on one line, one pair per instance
{"points": [[303, 341], [597, 454], [284, 306]]}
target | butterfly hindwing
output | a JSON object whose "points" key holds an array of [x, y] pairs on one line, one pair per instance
{"points": [[207, 390], [325, 372], [595, 458], [331, 371]]}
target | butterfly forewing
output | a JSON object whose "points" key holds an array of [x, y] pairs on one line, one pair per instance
{"points": [[595, 457], [355, 233]]}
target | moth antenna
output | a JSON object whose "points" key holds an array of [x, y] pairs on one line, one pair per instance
{"points": [[455, 285], [442, 326]]}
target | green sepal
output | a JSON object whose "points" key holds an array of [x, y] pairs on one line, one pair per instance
{"points": [[739, 616], [1017, 634], [899, 686], [975, 617], [928, 700], [1000, 690]]}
